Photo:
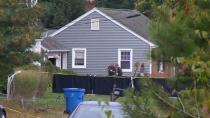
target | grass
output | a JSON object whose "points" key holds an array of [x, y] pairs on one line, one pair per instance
{"points": [[57, 100], [51, 105]]}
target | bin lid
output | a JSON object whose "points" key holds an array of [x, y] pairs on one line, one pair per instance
{"points": [[74, 89]]}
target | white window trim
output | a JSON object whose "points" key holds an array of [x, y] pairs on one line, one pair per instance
{"points": [[109, 18], [131, 59], [73, 58], [150, 61], [92, 24]]}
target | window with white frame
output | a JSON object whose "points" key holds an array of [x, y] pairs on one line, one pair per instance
{"points": [[79, 58], [125, 59], [94, 24]]}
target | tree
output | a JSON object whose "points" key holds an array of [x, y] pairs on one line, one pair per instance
{"points": [[180, 28], [181, 31], [18, 29], [117, 4], [154, 102], [57, 13], [146, 6]]}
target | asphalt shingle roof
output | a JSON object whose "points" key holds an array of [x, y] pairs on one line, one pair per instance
{"points": [[131, 19], [138, 23], [51, 44]]}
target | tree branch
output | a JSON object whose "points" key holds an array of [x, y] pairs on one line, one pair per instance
{"points": [[181, 103], [172, 106], [196, 100]]}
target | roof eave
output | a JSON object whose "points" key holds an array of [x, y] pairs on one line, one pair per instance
{"points": [[108, 17], [50, 50]]}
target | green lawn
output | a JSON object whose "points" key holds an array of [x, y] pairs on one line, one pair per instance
{"points": [[57, 100], [51, 105]]}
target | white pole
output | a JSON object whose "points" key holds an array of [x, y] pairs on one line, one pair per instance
{"points": [[132, 85], [9, 81]]}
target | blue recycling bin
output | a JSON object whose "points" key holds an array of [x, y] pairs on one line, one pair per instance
{"points": [[73, 97]]}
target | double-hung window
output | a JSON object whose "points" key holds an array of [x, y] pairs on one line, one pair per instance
{"points": [[125, 59], [79, 58]]}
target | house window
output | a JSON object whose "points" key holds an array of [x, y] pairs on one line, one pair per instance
{"points": [[94, 24], [161, 66], [125, 59], [79, 58]]}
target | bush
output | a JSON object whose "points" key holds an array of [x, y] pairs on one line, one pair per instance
{"points": [[43, 84], [30, 83], [49, 67], [30, 67], [66, 72]]}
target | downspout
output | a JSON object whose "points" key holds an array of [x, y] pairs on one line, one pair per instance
{"points": [[61, 55]]}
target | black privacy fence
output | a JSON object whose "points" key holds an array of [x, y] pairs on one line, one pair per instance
{"points": [[97, 85]]}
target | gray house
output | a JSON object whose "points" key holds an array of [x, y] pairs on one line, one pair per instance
{"points": [[99, 38]]}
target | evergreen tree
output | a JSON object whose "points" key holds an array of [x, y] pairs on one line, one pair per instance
{"points": [[58, 13], [117, 4], [146, 6], [18, 29], [181, 30]]}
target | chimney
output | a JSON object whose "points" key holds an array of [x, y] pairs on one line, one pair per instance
{"points": [[89, 4]]}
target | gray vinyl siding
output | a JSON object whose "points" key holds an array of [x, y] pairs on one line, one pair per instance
{"points": [[102, 45]]}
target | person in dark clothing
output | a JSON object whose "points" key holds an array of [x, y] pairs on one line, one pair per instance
{"points": [[118, 70], [142, 70], [111, 70]]}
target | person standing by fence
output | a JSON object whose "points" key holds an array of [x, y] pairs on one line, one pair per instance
{"points": [[142, 70]]}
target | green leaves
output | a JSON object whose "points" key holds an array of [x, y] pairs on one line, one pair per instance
{"points": [[154, 102], [180, 28], [58, 13], [18, 29], [117, 4]]}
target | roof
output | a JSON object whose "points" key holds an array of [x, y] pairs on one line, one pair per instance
{"points": [[102, 103], [136, 25], [50, 31], [132, 19], [47, 32], [51, 45]]}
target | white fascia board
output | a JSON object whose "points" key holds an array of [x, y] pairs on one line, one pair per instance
{"points": [[45, 49], [124, 27], [72, 23], [38, 40], [58, 50], [111, 19], [155, 46]]}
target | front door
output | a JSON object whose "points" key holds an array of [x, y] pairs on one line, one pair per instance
{"points": [[53, 61]]}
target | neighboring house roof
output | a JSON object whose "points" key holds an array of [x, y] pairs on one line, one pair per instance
{"points": [[136, 25], [50, 44], [50, 31]]}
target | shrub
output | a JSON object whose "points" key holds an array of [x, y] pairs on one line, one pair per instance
{"points": [[43, 84], [49, 67], [30, 67], [30, 83], [66, 72]]}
